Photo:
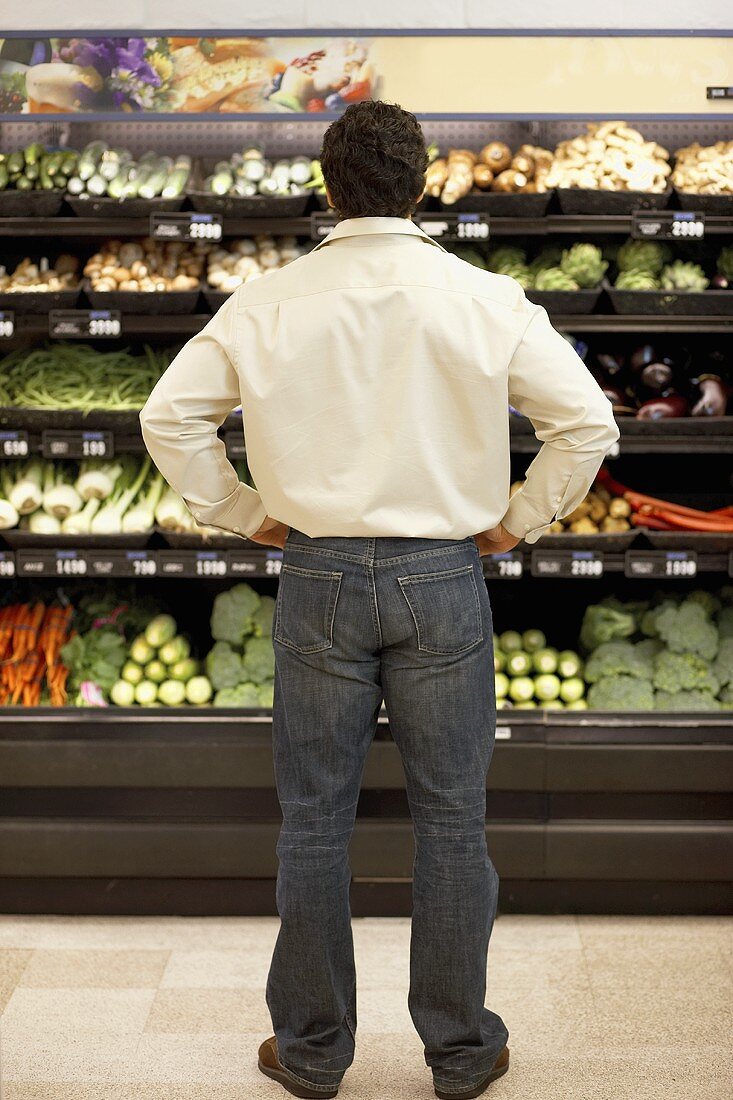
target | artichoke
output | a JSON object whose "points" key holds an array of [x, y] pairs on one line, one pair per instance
{"points": [[642, 256], [554, 278], [684, 276], [508, 256], [520, 272], [585, 264], [636, 280], [725, 262], [548, 257]]}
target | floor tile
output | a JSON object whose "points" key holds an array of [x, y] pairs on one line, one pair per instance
{"points": [[77, 968]]}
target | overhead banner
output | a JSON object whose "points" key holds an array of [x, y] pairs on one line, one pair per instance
{"points": [[480, 74]]}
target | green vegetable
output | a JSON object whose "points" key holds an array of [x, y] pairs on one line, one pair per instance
{"points": [[554, 278], [621, 693], [140, 651], [132, 673], [547, 687], [501, 685], [521, 690], [725, 262], [548, 257], [97, 655], [569, 664], [675, 672], [177, 649], [232, 614], [647, 256], [155, 671], [686, 700], [184, 670], [510, 640], [243, 695], [519, 663], [224, 666], [172, 693], [122, 694], [602, 622], [578, 704], [263, 616], [683, 276], [146, 693], [198, 690], [160, 630], [616, 659], [545, 660], [506, 256], [259, 660], [89, 158], [636, 280], [266, 693], [499, 661], [723, 667], [688, 629], [572, 690], [584, 264], [532, 640]]}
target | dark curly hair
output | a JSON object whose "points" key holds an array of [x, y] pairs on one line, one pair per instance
{"points": [[374, 161]]}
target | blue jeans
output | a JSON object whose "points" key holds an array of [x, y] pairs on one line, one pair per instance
{"points": [[407, 621]]}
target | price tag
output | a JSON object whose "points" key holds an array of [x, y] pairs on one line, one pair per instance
{"points": [[668, 225], [579, 564], [7, 324], [667, 564], [51, 563], [7, 563], [456, 227], [56, 443], [122, 563], [192, 563], [186, 226], [321, 224], [234, 443], [503, 733], [243, 564], [718, 91], [273, 563], [13, 444], [507, 566], [85, 324]]}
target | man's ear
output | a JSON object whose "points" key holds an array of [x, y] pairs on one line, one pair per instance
{"points": [[328, 196]]}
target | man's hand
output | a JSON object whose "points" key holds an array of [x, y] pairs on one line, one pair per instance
{"points": [[271, 533], [497, 540]]}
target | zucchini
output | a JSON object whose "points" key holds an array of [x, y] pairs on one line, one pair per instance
{"points": [[16, 163], [156, 181], [69, 162], [97, 185], [53, 162], [74, 185], [33, 152], [24, 184], [44, 179], [221, 181], [113, 161], [89, 159], [116, 186], [177, 179], [32, 171], [4, 176]]}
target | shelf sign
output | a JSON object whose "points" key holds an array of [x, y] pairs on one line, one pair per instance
{"points": [[243, 563], [7, 563], [507, 566], [122, 563], [51, 563], [578, 564], [666, 564], [56, 443], [186, 226], [85, 324], [7, 324], [273, 563], [322, 224], [13, 444], [718, 91], [668, 225], [455, 227], [192, 563]]}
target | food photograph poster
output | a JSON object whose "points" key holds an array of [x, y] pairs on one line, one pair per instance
{"points": [[433, 74]]}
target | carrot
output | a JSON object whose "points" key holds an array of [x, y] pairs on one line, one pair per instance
{"points": [[640, 502], [654, 523], [687, 523]]}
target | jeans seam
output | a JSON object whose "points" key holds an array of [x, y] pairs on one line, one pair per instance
{"points": [[310, 1084]]}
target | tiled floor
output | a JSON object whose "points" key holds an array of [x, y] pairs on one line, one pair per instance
{"points": [[598, 1008]]}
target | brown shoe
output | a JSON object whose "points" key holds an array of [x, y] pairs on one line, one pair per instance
{"points": [[269, 1064], [501, 1065]]}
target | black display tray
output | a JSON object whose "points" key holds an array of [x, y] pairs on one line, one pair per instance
{"points": [[706, 204], [106, 207], [502, 204], [578, 201], [30, 204], [148, 302], [704, 542], [611, 544], [28, 540], [565, 302], [39, 301], [38, 420], [687, 303], [257, 206]]}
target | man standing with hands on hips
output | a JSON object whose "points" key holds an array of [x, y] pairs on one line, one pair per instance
{"points": [[374, 376]]}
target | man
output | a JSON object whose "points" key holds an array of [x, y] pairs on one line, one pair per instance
{"points": [[374, 376]]}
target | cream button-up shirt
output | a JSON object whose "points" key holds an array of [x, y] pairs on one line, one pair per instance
{"points": [[375, 375]]}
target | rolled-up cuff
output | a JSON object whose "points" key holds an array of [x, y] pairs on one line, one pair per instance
{"points": [[242, 512], [522, 521]]}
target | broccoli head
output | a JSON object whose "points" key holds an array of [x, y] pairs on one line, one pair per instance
{"points": [[725, 623], [232, 614], [674, 672], [259, 660], [726, 697], [688, 629], [723, 665], [604, 622], [648, 649], [621, 693], [708, 602], [649, 618], [266, 693], [618, 659], [263, 616], [243, 695], [685, 700], [224, 666]]}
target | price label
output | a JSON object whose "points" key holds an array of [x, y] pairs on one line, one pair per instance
{"points": [[7, 563], [192, 563], [85, 324], [122, 563], [51, 563], [186, 226], [7, 324], [456, 227], [668, 225], [13, 444], [273, 563], [76, 444], [243, 564], [234, 443], [667, 564], [718, 91], [321, 224], [579, 564], [507, 566]]}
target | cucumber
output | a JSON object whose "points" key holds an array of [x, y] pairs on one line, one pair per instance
{"points": [[33, 152], [112, 162], [69, 162], [53, 162], [97, 185], [177, 179], [116, 186], [89, 158], [32, 171], [44, 179], [156, 181], [24, 184], [16, 163]]}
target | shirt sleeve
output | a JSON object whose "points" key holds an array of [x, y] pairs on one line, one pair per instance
{"points": [[571, 416], [179, 426]]}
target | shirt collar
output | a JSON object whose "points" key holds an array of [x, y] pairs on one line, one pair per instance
{"points": [[359, 227]]}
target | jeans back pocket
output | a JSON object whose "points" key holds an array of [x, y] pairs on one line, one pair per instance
{"points": [[446, 609], [305, 608]]}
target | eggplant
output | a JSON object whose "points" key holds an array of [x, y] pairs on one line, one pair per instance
{"points": [[657, 376], [661, 408]]}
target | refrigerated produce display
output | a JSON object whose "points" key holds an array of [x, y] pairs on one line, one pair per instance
{"points": [[136, 644]]}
